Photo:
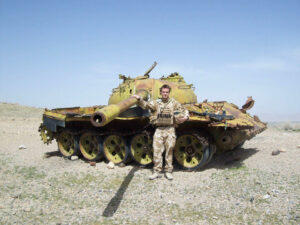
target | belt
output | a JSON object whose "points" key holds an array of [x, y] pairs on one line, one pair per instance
{"points": [[166, 126]]}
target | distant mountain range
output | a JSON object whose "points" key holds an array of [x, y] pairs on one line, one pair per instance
{"points": [[269, 117]]}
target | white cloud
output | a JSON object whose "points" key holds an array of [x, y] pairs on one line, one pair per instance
{"points": [[288, 61], [263, 64]]}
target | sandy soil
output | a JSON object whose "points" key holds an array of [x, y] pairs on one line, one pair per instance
{"points": [[246, 186]]}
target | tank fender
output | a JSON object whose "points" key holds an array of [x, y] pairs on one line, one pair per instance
{"points": [[52, 124]]}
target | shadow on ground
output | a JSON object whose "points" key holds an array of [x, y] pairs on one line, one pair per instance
{"points": [[114, 203], [234, 158], [52, 154]]}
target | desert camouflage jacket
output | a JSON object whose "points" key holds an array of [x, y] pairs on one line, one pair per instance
{"points": [[163, 113]]}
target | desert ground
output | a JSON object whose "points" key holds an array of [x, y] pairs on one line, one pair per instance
{"points": [[246, 186]]}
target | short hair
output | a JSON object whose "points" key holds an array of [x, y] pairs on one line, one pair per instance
{"points": [[165, 86]]}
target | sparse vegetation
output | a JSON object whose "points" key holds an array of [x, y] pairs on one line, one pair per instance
{"points": [[29, 173]]}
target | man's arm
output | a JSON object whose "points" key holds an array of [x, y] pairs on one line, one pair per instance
{"points": [[152, 105], [183, 110]]}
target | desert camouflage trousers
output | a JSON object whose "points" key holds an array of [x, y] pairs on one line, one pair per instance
{"points": [[164, 139]]}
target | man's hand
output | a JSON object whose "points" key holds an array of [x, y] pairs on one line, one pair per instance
{"points": [[183, 119], [137, 97]]}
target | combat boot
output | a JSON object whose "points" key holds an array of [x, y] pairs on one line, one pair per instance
{"points": [[154, 176], [169, 176]]}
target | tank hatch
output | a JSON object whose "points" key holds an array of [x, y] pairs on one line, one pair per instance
{"points": [[174, 77]]}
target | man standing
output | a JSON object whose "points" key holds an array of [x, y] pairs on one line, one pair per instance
{"points": [[164, 137]]}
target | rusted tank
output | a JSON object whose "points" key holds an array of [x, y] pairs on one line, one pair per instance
{"points": [[121, 130]]}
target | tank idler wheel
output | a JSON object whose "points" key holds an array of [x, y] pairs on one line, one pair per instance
{"points": [[141, 149], [191, 151], [115, 149], [91, 146], [67, 144], [46, 135]]}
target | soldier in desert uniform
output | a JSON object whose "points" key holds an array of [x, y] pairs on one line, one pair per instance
{"points": [[164, 137]]}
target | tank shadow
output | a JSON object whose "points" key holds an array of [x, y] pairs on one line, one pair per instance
{"points": [[52, 154], [114, 203], [234, 158]]}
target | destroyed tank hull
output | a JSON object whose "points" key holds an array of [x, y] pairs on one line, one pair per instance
{"points": [[121, 131]]}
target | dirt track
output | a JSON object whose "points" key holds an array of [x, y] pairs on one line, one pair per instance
{"points": [[248, 186]]}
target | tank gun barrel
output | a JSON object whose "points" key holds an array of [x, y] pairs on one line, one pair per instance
{"points": [[151, 68], [105, 115]]}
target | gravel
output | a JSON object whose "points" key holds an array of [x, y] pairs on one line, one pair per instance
{"points": [[246, 186]]}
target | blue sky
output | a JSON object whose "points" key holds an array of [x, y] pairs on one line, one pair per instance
{"points": [[63, 53]]}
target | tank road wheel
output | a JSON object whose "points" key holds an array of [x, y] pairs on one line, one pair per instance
{"points": [[141, 149], [191, 151], [67, 144], [91, 146], [115, 149]]}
